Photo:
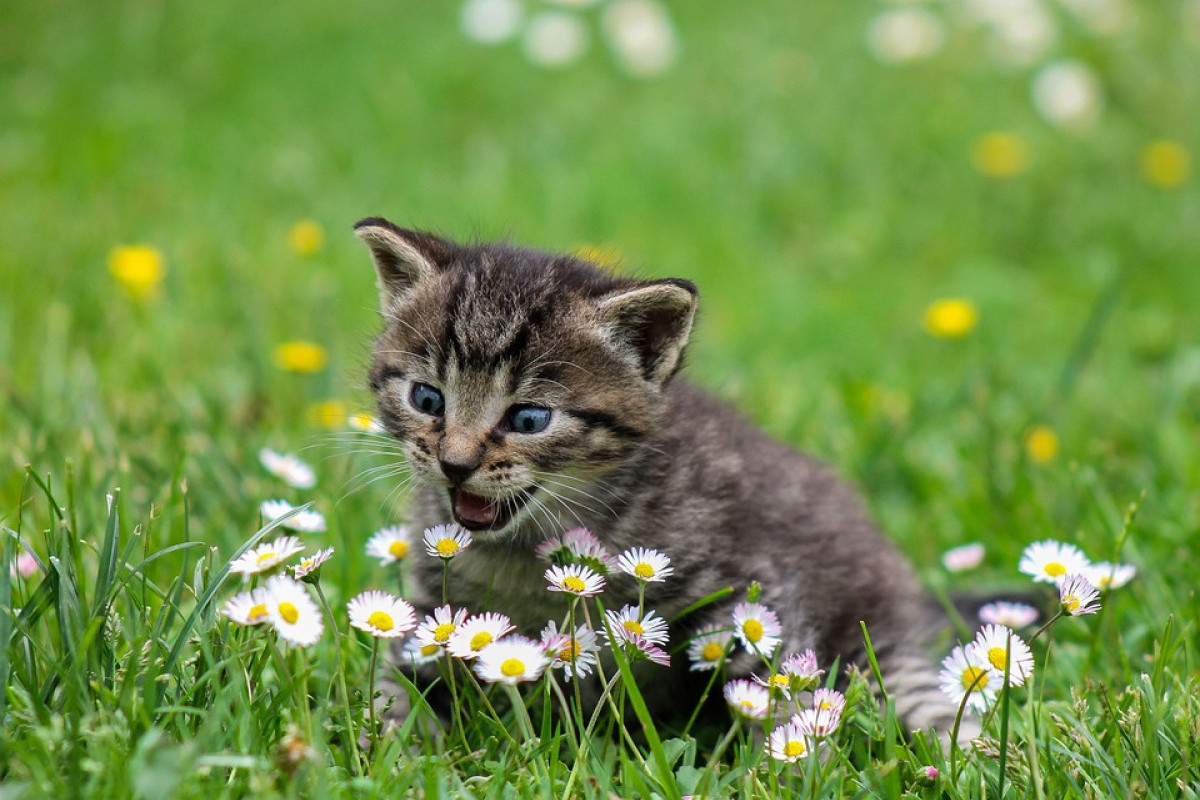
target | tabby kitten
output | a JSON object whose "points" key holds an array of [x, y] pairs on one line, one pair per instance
{"points": [[532, 392]]}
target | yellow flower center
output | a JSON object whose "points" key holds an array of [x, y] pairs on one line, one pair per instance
{"points": [[974, 678], [1054, 569], [447, 547], [712, 651], [997, 656], [573, 584], [428, 649], [570, 651], [644, 570], [257, 611], [633, 626], [481, 640], [263, 558], [794, 748], [289, 612], [748, 705], [753, 629], [442, 632], [381, 620], [1104, 581], [512, 668], [1070, 602], [362, 421], [779, 681], [398, 549]]}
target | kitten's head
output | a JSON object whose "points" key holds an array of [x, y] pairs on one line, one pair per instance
{"points": [[511, 375]]}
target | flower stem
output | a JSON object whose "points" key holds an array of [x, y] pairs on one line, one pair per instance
{"points": [[340, 675], [374, 730]]}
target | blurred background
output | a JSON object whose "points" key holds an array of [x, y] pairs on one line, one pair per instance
{"points": [[951, 246]]}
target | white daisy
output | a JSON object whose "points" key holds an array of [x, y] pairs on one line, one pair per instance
{"points": [[964, 671], [364, 422], [648, 566], [306, 521], [789, 743], [288, 468], [748, 699], [627, 623], [708, 649], [1049, 561], [511, 660], [446, 541], [415, 654], [802, 670], [777, 682], [576, 546], [389, 545], [994, 645], [639, 647], [820, 720], [382, 615], [292, 612], [440, 625], [575, 655], [757, 627], [310, 565], [476, 633], [1078, 596], [575, 579], [1105, 575], [1012, 615], [247, 608], [265, 556], [963, 557]]}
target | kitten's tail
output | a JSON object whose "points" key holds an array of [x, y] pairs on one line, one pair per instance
{"points": [[911, 678]]}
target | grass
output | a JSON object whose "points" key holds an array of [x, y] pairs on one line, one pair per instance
{"points": [[820, 200]]}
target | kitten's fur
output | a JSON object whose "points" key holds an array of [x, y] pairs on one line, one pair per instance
{"points": [[633, 454]]}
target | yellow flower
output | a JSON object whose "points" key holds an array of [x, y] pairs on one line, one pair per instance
{"points": [[327, 414], [1041, 444], [951, 318], [306, 237], [300, 356], [138, 268], [1000, 154], [1165, 163]]}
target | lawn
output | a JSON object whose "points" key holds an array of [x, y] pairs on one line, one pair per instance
{"points": [[181, 288]]}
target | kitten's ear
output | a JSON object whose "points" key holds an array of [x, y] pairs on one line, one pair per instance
{"points": [[653, 321], [402, 258]]}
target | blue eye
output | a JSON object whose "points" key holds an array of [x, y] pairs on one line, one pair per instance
{"points": [[427, 399], [528, 419]]}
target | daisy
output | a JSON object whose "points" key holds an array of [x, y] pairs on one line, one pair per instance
{"points": [[964, 673], [415, 654], [964, 557], [802, 670], [305, 521], [708, 648], [288, 468], [829, 700], [777, 682], [446, 541], [640, 647], [1012, 615], [382, 615], [576, 546], [789, 743], [364, 423], [1078, 596], [648, 566], [1105, 575], [438, 626], [476, 633], [748, 699], [247, 608], [292, 611], [310, 565], [818, 722], [575, 579], [757, 627], [389, 544], [1048, 561], [511, 660], [265, 556], [627, 623], [575, 655], [995, 644]]}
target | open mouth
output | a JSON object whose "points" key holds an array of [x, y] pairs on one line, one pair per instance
{"points": [[477, 513]]}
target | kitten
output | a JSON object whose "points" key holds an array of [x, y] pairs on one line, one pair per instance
{"points": [[532, 392]]}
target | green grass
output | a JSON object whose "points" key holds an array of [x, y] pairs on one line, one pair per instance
{"points": [[820, 201]]}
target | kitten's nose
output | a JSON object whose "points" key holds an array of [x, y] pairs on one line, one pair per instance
{"points": [[458, 471]]}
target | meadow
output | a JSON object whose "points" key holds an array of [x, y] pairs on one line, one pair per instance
{"points": [[949, 247]]}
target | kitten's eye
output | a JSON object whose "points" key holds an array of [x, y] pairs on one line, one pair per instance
{"points": [[528, 419], [427, 399]]}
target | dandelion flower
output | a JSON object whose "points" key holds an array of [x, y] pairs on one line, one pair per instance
{"points": [[575, 579], [266, 556], [1012, 615], [247, 608], [996, 644], [415, 654], [648, 566], [1041, 444], [138, 268], [389, 544], [575, 655], [293, 612], [306, 237], [963, 557], [951, 318], [1078, 596], [446, 541], [306, 521], [476, 633], [802, 670], [789, 743], [382, 615], [1105, 575], [300, 356], [311, 565], [440, 625], [708, 649], [1049, 561], [627, 623], [511, 660], [965, 674], [757, 627], [748, 699], [288, 468]]}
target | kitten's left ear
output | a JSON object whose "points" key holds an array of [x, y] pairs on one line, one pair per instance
{"points": [[653, 321], [403, 258]]}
